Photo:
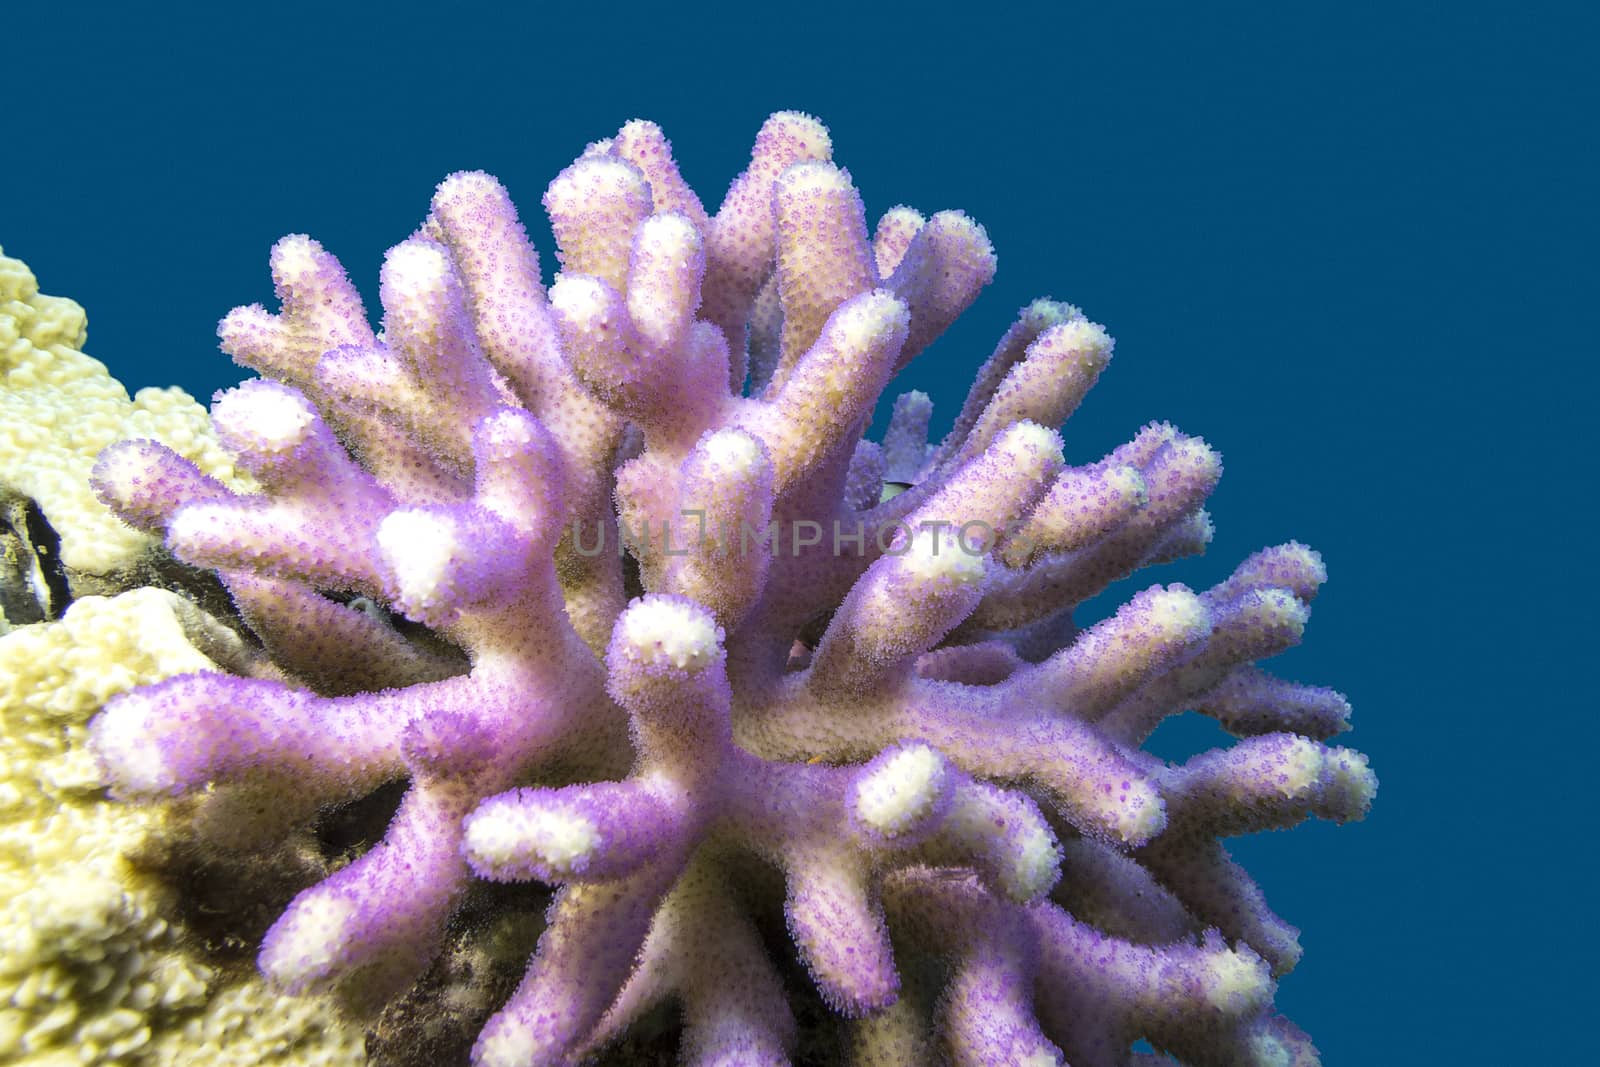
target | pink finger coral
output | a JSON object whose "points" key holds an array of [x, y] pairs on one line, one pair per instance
{"points": [[609, 576]]}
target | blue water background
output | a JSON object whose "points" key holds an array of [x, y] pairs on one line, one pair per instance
{"points": [[1353, 246]]}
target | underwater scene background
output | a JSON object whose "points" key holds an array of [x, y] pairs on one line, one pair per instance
{"points": [[1351, 246]]}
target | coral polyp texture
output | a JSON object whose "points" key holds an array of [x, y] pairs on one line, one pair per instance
{"points": [[608, 577]]}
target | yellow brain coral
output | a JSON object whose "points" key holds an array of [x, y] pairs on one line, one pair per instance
{"points": [[90, 971], [85, 963], [59, 408]]}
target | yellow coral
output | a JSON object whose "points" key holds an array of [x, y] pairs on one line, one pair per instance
{"points": [[249, 1025], [89, 971], [59, 408]]}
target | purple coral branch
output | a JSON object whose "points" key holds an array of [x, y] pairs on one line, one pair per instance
{"points": [[909, 748]]}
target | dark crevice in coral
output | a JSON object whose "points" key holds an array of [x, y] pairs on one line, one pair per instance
{"points": [[202, 587], [652, 1041], [348, 830], [632, 579], [811, 633], [19, 587], [47, 551], [821, 1033], [159, 569], [488, 943], [422, 636], [225, 902], [923, 975]]}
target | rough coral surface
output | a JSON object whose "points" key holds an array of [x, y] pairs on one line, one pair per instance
{"points": [[799, 694], [59, 408], [92, 968]]}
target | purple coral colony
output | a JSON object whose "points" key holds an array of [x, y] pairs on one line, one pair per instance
{"points": [[798, 689]]}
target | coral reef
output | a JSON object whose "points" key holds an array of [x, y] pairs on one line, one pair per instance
{"points": [[830, 703]]}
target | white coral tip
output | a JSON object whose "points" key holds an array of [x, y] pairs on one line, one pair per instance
{"points": [[560, 840], [938, 554], [415, 267], [671, 631], [901, 792], [733, 451], [420, 547], [1037, 862], [264, 418], [125, 742], [308, 940]]}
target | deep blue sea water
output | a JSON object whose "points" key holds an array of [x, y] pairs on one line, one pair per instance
{"points": [[1353, 246]]}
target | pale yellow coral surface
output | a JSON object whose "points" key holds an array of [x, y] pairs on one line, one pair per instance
{"points": [[59, 408], [90, 973]]}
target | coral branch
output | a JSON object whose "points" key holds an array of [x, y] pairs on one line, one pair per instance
{"points": [[712, 664]]}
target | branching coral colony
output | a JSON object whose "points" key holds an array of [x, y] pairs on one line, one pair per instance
{"points": [[871, 709]]}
